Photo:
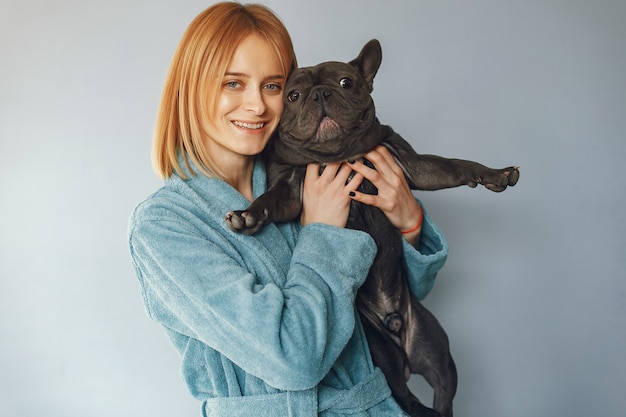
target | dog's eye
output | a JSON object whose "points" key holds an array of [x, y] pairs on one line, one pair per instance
{"points": [[345, 82], [293, 95]]}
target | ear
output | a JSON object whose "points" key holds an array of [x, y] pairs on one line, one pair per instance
{"points": [[368, 61]]}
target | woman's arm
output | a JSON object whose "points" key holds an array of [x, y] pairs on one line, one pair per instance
{"points": [[426, 258], [286, 323], [425, 247], [394, 197]]}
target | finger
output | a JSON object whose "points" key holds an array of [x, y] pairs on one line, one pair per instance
{"points": [[377, 158], [367, 172], [355, 182], [368, 199], [384, 152], [343, 174], [312, 171], [330, 170], [383, 177], [383, 161]]}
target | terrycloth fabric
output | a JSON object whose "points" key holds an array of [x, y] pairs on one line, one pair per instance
{"points": [[268, 320]]}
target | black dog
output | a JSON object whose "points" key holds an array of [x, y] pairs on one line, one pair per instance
{"points": [[329, 116]]}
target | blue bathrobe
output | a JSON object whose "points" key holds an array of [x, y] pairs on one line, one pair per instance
{"points": [[265, 324]]}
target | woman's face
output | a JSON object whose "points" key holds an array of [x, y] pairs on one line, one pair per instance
{"points": [[249, 104]]}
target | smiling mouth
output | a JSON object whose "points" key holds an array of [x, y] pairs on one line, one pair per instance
{"points": [[251, 126]]}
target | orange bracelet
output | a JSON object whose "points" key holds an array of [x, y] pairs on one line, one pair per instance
{"points": [[419, 224]]}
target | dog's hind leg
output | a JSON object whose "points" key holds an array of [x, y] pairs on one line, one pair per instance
{"points": [[392, 360], [429, 355]]}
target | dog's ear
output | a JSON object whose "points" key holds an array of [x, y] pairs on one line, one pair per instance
{"points": [[368, 61]]}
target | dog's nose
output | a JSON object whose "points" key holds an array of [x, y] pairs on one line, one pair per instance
{"points": [[322, 94]]}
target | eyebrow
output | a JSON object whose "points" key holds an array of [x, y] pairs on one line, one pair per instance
{"points": [[244, 75]]}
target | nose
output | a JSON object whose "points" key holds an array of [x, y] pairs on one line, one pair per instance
{"points": [[254, 101], [322, 94]]}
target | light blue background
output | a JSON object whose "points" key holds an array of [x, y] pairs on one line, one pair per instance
{"points": [[533, 296]]}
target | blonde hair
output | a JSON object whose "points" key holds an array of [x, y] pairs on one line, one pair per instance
{"points": [[193, 82]]}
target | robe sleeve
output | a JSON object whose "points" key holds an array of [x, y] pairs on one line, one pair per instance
{"points": [[427, 259], [203, 285]]}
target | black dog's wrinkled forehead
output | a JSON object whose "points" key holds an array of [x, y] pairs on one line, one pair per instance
{"points": [[325, 73]]}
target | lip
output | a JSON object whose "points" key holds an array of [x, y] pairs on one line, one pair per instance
{"points": [[247, 126]]}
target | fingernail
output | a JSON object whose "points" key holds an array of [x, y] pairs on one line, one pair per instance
{"points": [[351, 161], [351, 194]]}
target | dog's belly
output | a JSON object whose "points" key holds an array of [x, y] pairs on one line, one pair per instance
{"points": [[385, 290]]}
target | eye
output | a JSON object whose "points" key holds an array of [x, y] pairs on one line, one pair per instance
{"points": [[273, 88], [293, 95], [232, 84], [345, 82]]}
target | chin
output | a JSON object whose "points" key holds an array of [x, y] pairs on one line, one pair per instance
{"points": [[253, 150]]}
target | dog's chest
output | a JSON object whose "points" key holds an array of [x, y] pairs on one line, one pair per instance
{"points": [[372, 220]]}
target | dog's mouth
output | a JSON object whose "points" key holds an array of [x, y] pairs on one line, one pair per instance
{"points": [[327, 129]]}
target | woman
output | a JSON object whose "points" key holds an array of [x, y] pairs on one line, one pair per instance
{"points": [[265, 324]]}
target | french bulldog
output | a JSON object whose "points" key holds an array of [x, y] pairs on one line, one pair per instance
{"points": [[329, 116]]}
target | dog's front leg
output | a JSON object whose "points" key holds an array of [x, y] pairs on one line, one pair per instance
{"points": [[432, 172], [282, 202]]}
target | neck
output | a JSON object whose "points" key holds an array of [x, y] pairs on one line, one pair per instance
{"points": [[239, 176]]}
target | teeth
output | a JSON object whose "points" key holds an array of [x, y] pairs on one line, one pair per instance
{"points": [[249, 125]]}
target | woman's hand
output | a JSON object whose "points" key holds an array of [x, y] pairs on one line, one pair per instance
{"points": [[394, 197], [326, 197]]}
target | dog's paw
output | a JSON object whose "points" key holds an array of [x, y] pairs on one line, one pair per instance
{"points": [[420, 410], [246, 222], [498, 179]]}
